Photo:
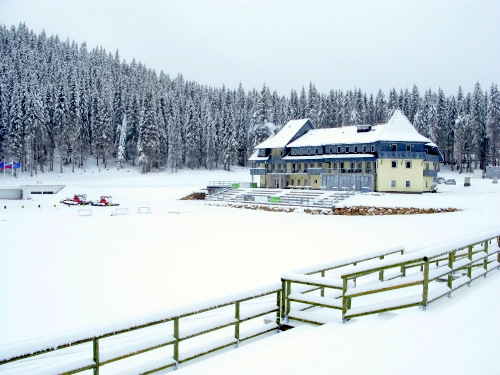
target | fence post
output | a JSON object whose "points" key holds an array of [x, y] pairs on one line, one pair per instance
{"points": [[344, 299], [485, 262], [498, 254], [283, 299], [322, 288], [425, 288], [469, 267], [176, 343], [451, 259], [237, 325], [278, 313], [403, 268], [288, 291], [96, 355], [381, 272]]}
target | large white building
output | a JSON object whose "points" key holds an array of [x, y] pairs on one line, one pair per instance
{"points": [[390, 157]]}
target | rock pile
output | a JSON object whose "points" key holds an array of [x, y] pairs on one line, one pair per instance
{"points": [[367, 210], [194, 196]]}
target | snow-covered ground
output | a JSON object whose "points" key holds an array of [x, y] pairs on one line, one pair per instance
{"points": [[60, 271]]}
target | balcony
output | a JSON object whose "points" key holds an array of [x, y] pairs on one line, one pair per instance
{"points": [[430, 173], [401, 155], [257, 171], [317, 171]]}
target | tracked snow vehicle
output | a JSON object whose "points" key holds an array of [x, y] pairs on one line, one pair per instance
{"points": [[105, 201], [78, 199]]}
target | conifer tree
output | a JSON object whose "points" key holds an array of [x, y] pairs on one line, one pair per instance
{"points": [[478, 127], [493, 125], [120, 158]]}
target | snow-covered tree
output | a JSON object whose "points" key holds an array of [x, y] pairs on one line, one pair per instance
{"points": [[493, 125], [121, 155]]}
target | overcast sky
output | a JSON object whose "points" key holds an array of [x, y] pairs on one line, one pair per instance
{"points": [[336, 44]]}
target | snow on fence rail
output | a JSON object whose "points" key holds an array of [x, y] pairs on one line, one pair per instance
{"points": [[388, 280], [162, 339]]}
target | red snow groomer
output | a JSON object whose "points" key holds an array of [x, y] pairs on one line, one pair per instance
{"points": [[78, 199], [105, 200]]}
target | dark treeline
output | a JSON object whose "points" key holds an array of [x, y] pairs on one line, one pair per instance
{"points": [[60, 99]]}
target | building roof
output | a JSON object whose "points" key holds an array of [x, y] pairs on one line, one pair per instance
{"points": [[397, 129], [344, 135], [285, 135], [255, 157]]}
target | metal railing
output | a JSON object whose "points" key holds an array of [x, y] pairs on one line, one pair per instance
{"points": [[114, 342]]}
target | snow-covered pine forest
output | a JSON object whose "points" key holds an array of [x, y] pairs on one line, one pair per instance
{"points": [[59, 98]]}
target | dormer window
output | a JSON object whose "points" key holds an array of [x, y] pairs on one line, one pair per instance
{"points": [[364, 148], [394, 148], [355, 149], [346, 149], [373, 148], [338, 150], [408, 148], [308, 151], [294, 152]]}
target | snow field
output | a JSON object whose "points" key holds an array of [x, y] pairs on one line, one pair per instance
{"points": [[67, 272]]}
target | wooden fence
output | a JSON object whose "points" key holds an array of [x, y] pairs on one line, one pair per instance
{"points": [[388, 281], [113, 344]]}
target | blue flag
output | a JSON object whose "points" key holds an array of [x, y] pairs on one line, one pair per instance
{"points": [[2, 165], [17, 165]]}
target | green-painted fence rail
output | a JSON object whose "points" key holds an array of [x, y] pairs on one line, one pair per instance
{"points": [[435, 271], [89, 353]]}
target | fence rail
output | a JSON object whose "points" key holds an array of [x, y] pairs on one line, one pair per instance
{"points": [[134, 338], [390, 280]]}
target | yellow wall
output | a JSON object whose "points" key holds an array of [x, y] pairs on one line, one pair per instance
{"points": [[386, 174]]}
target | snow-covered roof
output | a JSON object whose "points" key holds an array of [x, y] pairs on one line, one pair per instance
{"points": [[255, 157], [285, 135], [344, 135], [397, 129]]}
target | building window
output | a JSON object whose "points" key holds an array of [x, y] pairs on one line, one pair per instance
{"points": [[373, 148], [359, 166], [346, 149], [355, 148], [393, 183], [364, 148], [294, 152], [338, 150], [334, 165], [408, 164], [342, 166], [368, 165], [308, 151], [407, 184], [315, 181], [394, 148], [394, 164], [408, 148]]}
